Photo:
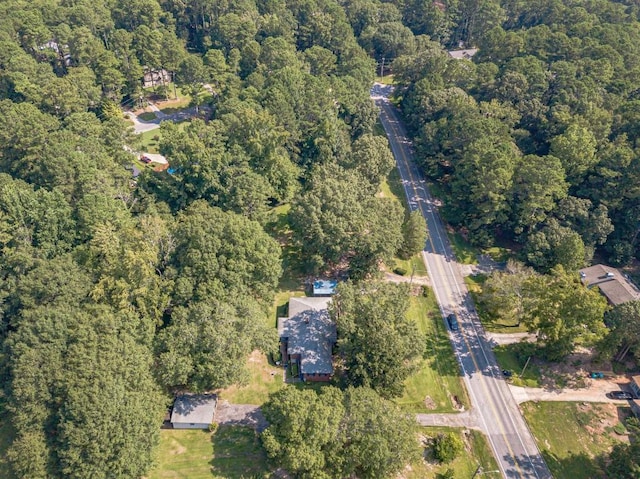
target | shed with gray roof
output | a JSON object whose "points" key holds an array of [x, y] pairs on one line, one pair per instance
{"points": [[307, 337], [194, 411]]}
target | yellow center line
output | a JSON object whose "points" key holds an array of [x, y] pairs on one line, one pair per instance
{"points": [[448, 290]]}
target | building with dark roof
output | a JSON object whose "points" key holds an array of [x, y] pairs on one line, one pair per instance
{"points": [[613, 285], [307, 338]]}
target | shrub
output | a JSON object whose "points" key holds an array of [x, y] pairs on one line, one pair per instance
{"points": [[446, 447], [399, 270]]}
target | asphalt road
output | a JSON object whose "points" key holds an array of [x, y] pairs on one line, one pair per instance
{"points": [[498, 414]]}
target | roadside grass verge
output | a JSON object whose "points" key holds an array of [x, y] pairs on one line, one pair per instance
{"points": [[466, 253], [571, 435], [437, 378], [476, 453], [513, 357], [475, 285], [229, 452], [391, 187]]}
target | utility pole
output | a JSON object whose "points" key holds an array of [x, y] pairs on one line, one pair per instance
{"points": [[525, 366], [382, 68], [479, 471]]}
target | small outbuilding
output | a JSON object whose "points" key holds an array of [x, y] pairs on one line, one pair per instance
{"points": [[194, 411], [324, 287], [466, 54]]}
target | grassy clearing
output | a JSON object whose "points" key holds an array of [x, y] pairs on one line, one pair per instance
{"points": [[512, 357], [477, 453], [147, 116], [230, 452], [466, 253], [385, 80], [571, 435], [432, 387], [264, 379], [150, 141]]}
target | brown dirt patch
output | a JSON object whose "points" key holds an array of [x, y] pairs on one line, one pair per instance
{"points": [[429, 403]]}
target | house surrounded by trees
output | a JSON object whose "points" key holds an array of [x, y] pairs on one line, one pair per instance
{"points": [[307, 338]]}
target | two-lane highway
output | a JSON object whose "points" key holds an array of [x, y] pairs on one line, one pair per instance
{"points": [[498, 412]]}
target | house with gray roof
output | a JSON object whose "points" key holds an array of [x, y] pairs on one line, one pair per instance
{"points": [[466, 54], [194, 411], [307, 338], [613, 285]]}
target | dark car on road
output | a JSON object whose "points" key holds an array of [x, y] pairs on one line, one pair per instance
{"points": [[453, 322], [507, 373], [619, 395]]}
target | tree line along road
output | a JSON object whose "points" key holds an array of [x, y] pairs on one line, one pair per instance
{"points": [[499, 416]]}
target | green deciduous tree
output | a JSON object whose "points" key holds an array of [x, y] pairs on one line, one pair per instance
{"points": [[414, 232], [205, 344], [338, 218], [623, 321], [222, 254], [332, 434], [563, 312], [376, 340], [504, 295], [447, 446]]}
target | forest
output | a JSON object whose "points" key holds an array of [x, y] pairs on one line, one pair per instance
{"points": [[115, 294]]}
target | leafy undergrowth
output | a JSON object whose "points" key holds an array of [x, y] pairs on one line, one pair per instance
{"points": [[476, 453]]}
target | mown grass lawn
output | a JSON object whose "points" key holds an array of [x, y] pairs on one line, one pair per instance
{"points": [[571, 435], [264, 379], [437, 379], [477, 453], [232, 452]]}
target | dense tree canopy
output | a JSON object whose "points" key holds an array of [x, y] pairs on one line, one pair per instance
{"points": [[117, 291], [541, 120], [376, 340], [335, 434]]}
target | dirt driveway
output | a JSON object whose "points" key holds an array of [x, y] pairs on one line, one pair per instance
{"points": [[595, 391]]}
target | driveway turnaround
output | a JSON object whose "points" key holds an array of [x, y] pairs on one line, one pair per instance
{"points": [[498, 414]]}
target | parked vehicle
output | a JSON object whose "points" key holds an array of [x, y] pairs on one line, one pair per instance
{"points": [[619, 395], [145, 159], [453, 322], [506, 373]]}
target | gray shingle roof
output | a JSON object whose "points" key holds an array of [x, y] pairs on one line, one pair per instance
{"points": [[616, 287], [310, 333], [194, 409]]}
